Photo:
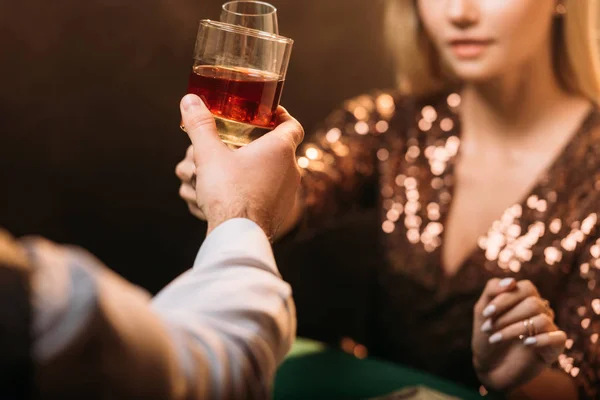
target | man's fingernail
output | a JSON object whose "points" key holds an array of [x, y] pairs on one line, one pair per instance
{"points": [[506, 282], [489, 311], [486, 326], [190, 101], [530, 341], [495, 338]]}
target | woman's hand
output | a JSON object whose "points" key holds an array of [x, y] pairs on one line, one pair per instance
{"points": [[514, 335]]}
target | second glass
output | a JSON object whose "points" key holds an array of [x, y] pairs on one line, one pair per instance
{"points": [[251, 14], [239, 73]]}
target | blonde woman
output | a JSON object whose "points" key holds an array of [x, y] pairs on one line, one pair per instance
{"points": [[485, 167]]}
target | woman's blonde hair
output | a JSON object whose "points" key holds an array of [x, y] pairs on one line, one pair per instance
{"points": [[420, 71]]}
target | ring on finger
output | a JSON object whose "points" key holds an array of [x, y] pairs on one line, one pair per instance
{"points": [[526, 325], [530, 328]]}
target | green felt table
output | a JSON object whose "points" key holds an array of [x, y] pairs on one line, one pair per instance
{"points": [[314, 371]]}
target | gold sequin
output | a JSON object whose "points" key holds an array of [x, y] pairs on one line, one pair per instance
{"points": [[387, 191], [516, 211], [400, 180], [588, 224], [382, 126], [555, 225], [595, 251], [429, 114], [569, 243], [360, 113], [437, 183], [333, 135], [393, 215], [454, 100], [413, 235], [584, 269], [388, 203], [312, 153], [424, 125], [303, 162], [410, 183], [532, 202], [361, 127], [452, 145], [411, 207], [514, 265], [412, 221], [553, 255], [413, 152], [412, 195], [388, 226], [383, 154], [385, 104], [433, 211], [586, 323], [446, 124], [541, 206], [341, 150], [596, 306]]}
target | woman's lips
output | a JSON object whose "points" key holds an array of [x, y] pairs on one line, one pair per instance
{"points": [[469, 48]]}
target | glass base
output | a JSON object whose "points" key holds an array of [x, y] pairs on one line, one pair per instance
{"points": [[236, 134]]}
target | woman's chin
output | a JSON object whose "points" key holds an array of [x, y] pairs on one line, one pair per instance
{"points": [[474, 75], [475, 71]]}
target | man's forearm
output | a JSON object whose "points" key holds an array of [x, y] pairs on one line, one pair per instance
{"points": [[217, 331], [246, 311]]}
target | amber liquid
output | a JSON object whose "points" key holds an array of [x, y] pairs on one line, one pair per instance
{"points": [[243, 101]]}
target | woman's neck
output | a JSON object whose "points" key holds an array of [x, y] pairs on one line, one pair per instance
{"points": [[520, 107]]}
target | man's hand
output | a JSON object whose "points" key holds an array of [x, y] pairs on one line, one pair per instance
{"points": [[258, 181]]}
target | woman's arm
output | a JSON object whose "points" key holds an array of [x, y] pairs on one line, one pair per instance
{"points": [[339, 161], [551, 384]]}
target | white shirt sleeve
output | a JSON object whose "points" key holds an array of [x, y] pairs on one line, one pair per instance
{"points": [[234, 304], [222, 327]]}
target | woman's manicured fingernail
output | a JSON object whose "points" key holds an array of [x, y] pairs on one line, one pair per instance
{"points": [[486, 326], [495, 338], [506, 282], [530, 341], [489, 311]]}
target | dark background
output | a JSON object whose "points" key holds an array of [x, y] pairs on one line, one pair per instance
{"points": [[89, 94]]}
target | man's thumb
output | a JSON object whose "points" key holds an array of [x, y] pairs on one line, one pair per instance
{"points": [[200, 126]]}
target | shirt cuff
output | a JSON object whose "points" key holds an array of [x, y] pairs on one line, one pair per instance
{"points": [[236, 237]]}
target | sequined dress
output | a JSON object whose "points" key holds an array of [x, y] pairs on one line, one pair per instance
{"points": [[401, 152]]}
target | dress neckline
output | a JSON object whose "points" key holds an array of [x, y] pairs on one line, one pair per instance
{"points": [[477, 253]]}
